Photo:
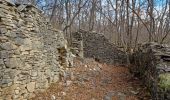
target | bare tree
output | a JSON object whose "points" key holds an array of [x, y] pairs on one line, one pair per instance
{"points": [[124, 22]]}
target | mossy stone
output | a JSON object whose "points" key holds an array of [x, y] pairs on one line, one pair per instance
{"points": [[164, 81]]}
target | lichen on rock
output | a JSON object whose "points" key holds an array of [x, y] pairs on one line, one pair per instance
{"points": [[29, 51], [164, 81], [152, 64]]}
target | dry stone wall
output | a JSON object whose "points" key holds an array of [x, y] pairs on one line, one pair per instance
{"points": [[77, 44], [32, 53], [97, 46], [152, 64]]}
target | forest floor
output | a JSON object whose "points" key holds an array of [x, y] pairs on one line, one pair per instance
{"points": [[96, 81]]}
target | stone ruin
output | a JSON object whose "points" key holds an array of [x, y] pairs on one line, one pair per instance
{"points": [[77, 44], [32, 53], [152, 64], [97, 46]]}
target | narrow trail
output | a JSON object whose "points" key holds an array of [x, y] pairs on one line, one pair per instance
{"points": [[95, 81]]}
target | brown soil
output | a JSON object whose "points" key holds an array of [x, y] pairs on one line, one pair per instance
{"points": [[95, 81]]}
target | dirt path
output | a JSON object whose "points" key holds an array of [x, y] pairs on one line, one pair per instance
{"points": [[95, 81]]}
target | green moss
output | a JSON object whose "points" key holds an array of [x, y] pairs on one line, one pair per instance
{"points": [[164, 81]]}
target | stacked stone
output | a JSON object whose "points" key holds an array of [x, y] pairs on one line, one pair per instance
{"points": [[30, 52], [98, 47], [152, 64], [77, 44]]}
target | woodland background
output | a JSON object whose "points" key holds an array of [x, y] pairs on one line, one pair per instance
{"points": [[126, 23]]}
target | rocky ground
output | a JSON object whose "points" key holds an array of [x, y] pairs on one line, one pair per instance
{"points": [[96, 81]]}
